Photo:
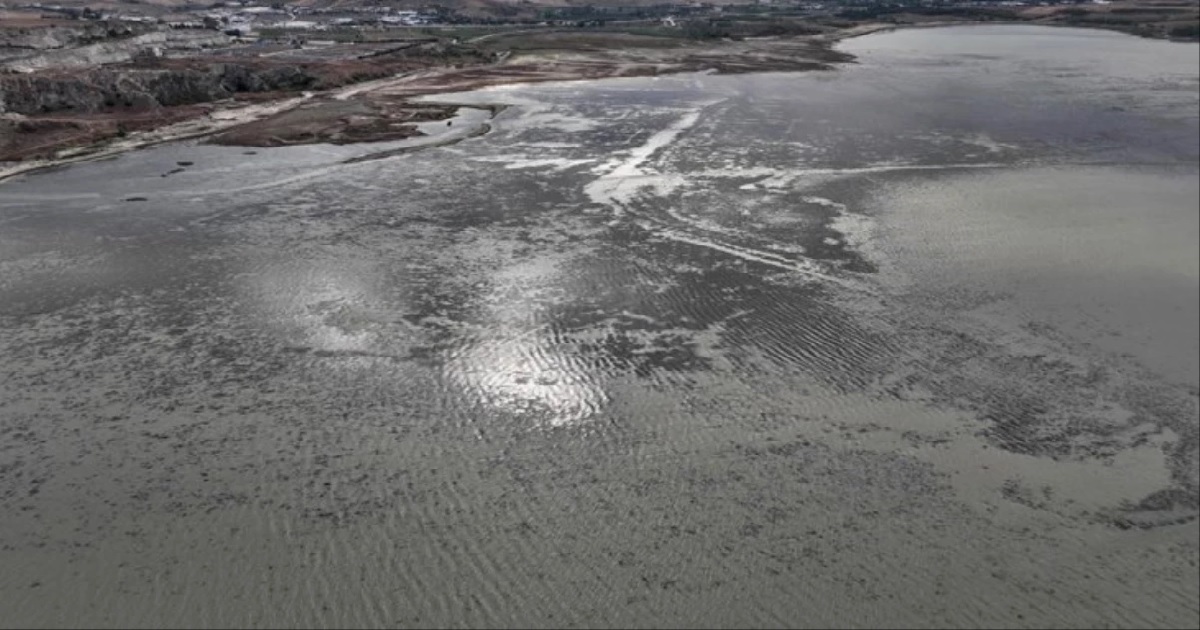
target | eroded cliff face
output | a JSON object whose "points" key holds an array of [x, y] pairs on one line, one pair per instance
{"points": [[106, 88], [43, 112], [115, 51], [59, 36], [85, 67]]}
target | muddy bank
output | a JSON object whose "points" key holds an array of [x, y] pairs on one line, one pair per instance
{"points": [[366, 119]]}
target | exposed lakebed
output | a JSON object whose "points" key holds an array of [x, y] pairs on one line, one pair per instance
{"points": [[910, 342]]}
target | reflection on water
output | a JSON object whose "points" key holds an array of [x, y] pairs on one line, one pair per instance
{"points": [[525, 376], [513, 362]]}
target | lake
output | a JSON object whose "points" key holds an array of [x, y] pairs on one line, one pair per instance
{"points": [[913, 343]]}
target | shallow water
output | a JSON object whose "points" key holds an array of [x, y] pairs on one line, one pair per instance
{"points": [[911, 342]]}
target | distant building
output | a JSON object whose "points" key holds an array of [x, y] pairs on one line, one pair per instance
{"points": [[298, 24]]}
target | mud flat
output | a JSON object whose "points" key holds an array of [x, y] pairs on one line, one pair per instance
{"points": [[780, 349]]}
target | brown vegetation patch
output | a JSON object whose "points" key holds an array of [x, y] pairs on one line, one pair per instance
{"points": [[43, 137], [367, 119]]}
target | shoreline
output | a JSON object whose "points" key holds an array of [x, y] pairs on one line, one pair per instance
{"points": [[413, 85], [886, 27], [185, 130], [426, 84]]}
